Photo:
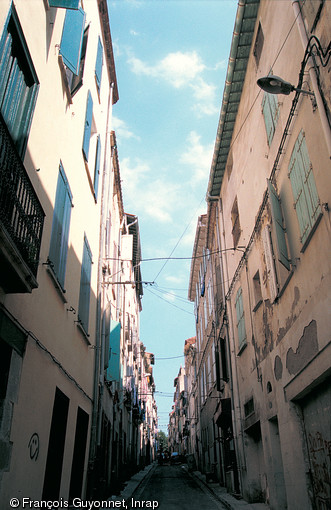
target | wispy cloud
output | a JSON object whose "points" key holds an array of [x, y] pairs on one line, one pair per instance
{"points": [[150, 196], [179, 69], [182, 70], [198, 157], [122, 129]]}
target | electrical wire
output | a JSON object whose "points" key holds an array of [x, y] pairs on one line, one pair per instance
{"points": [[169, 302]]}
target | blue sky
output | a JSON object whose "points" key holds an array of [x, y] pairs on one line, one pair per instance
{"points": [[171, 58]]}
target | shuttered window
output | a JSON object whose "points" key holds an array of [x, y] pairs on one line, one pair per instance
{"points": [[85, 286], [18, 83], [270, 113], [60, 228], [88, 126], [72, 39], [277, 219], [64, 4], [240, 319], [97, 167], [306, 201], [98, 65]]}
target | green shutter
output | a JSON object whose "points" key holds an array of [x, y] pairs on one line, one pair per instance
{"points": [[270, 112], [88, 125], [240, 319], [85, 286], [277, 220], [72, 39], [306, 201]]}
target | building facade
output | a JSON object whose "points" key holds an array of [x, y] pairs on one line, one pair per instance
{"points": [[266, 237], [61, 224]]}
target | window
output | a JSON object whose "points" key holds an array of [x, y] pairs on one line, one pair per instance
{"points": [[85, 287], [306, 201], [73, 50], [258, 46], [277, 219], [240, 320], [60, 227], [249, 407], [72, 39], [236, 231], [270, 109], [98, 65], [64, 4], [257, 291], [88, 126], [76, 81], [97, 167], [18, 83]]}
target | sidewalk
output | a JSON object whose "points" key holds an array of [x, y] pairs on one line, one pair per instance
{"points": [[224, 497]]}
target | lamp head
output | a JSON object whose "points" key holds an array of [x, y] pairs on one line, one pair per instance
{"points": [[275, 85]]}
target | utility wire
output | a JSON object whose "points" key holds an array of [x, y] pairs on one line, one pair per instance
{"points": [[169, 302], [179, 240]]}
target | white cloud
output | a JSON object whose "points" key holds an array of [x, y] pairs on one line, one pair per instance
{"points": [[198, 157], [179, 69], [153, 197], [122, 130]]}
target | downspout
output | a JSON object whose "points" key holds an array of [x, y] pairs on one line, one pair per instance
{"points": [[100, 315], [234, 387], [313, 76]]}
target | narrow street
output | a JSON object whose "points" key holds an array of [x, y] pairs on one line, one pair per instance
{"points": [[172, 487]]}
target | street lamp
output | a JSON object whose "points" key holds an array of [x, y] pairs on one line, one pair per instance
{"points": [[276, 85]]}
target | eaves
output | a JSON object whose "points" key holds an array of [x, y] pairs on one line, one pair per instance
{"points": [[239, 54]]}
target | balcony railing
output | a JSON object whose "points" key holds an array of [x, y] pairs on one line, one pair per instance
{"points": [[21, 214]]}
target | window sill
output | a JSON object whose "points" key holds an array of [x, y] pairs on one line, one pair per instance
{"points": [[56, 283], [311, 233], [85, 335], [242, 348], [257, 306]]}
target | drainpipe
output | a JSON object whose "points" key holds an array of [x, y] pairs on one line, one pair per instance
{"points": [[100, 314], [313, 76], [234, 387]]}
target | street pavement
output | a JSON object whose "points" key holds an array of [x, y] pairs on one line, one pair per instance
{"points": [[174, 487]]}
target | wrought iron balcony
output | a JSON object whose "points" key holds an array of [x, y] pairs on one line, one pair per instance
{"points": [[21, 220]]}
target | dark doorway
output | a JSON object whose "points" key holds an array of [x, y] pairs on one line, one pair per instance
{"points": [[53, 472], [78, 460]]}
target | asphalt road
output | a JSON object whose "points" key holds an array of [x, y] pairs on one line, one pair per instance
{"points": [[172, 488]]}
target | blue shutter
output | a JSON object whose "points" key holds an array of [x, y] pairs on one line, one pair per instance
{"points": [[85, 286], [60, 227], [88, 125], [64, 4], [98, 64], [97, 167], [277, 220], [306, 201], [72, 39]]}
